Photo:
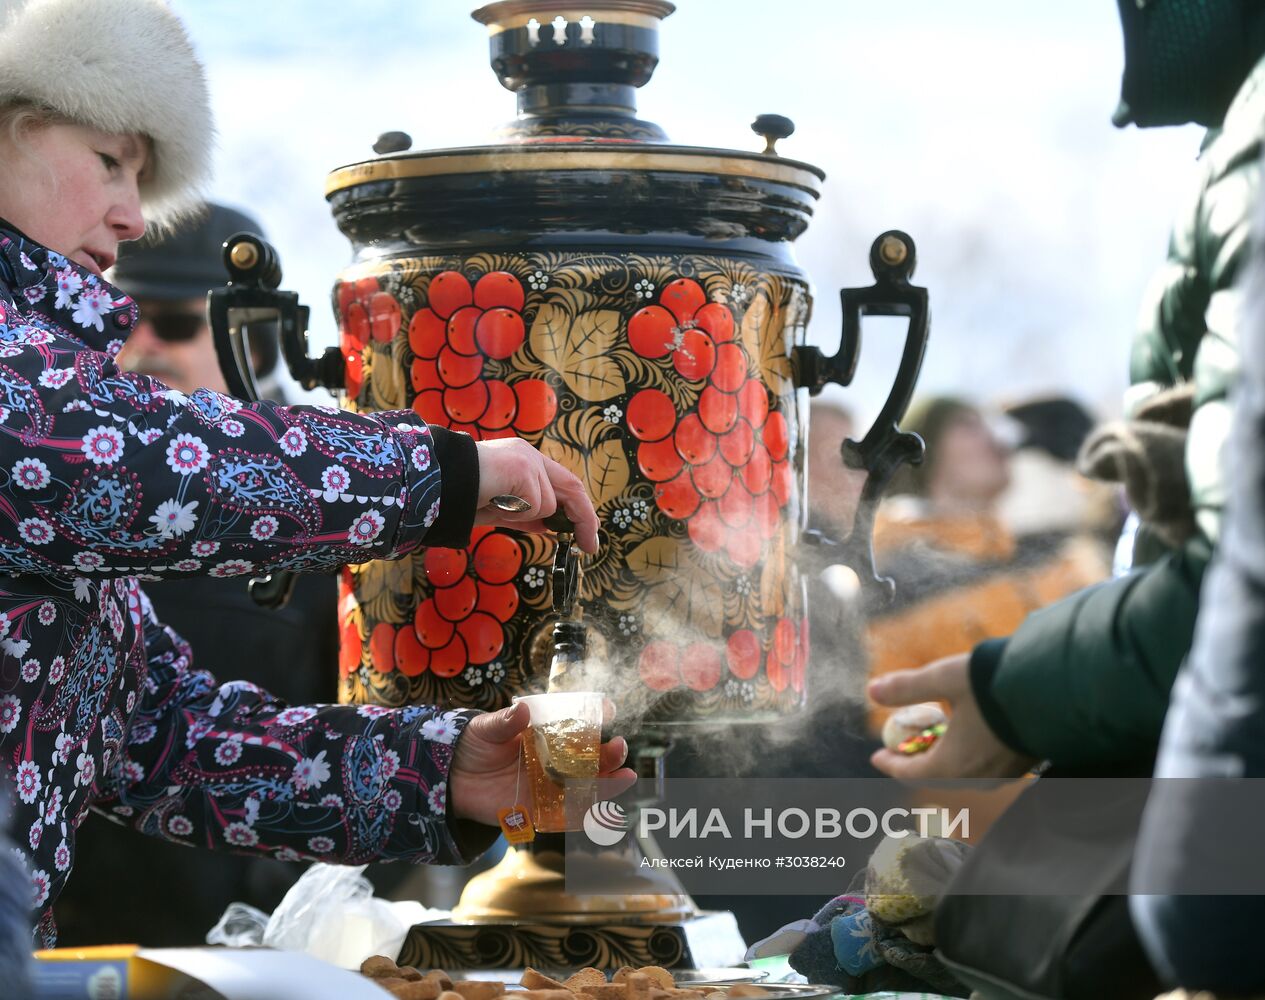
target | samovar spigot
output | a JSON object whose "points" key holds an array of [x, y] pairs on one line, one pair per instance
{"points": [[566, 564], [570, 642]]}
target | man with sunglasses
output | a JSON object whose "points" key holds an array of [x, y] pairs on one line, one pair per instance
{"points": [[292, 652]]}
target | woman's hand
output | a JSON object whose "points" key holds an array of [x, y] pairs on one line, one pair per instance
{"points": [[512, 466], [485, 766], [968, 748]]}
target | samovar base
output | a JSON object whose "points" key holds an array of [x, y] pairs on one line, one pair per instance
{"points": [[702, 941], [520, 914], [529, 883]]}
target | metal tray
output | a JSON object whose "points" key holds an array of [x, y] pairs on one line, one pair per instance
{"points": [[717, 977], [776, 991], [684, 977], [713, 980]]}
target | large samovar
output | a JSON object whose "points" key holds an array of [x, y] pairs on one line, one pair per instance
{"points": [[634, 309]]}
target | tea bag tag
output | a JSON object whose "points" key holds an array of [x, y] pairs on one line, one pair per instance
{"points": [[515, 822], [516, 825]]}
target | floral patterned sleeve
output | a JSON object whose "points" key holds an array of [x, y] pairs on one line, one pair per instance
{"points": [[106, 476], [232, 768], [111, 473]]}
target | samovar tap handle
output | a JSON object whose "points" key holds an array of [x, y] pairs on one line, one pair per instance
{"points": [[885, 447], [251, 296], [566, 564]]}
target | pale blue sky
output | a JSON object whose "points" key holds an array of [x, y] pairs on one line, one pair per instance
{"points": [[980, 126]]}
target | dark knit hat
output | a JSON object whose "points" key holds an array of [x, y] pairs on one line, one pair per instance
{"points": [[1056, 425], [1184, 60]]}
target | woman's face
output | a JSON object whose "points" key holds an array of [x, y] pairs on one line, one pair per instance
{"points": [[74, 189], [970, 463]]}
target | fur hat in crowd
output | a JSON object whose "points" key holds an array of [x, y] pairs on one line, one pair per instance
{"points": [[122, 66]]}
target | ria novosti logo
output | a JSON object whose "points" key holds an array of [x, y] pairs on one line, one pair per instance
{"points": [[606, 823]]}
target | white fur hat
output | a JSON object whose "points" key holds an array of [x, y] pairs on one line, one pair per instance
{"points": [[123, 66]]}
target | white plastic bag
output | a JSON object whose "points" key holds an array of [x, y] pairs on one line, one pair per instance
{"points": [[242, 926], [329, 913]]}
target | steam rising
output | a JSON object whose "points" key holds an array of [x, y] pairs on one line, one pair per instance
{"points": [[825, 738]]}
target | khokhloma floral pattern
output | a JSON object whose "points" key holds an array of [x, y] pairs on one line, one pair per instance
{"points": [[665, 383]]}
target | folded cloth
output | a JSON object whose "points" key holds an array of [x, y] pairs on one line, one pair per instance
{"points": [[852, 935], [818, 961], [785, 940]]}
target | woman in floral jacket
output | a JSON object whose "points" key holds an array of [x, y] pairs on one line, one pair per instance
{"points": [[107, 477]]}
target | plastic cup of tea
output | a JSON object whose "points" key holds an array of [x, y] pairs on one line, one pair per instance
{"points": [[561, 747]]}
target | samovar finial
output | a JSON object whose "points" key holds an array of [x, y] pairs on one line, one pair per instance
{"points": [[575, 67]]}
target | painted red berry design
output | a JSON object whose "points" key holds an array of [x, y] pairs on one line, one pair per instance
{"points": [[735, 475], [459, 329]]}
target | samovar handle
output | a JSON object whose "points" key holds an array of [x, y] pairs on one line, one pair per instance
{"points": [[251, 296], [254, 272], [885, 447]]}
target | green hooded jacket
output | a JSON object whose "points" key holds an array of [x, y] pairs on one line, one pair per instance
{"points": [[1085, 682]]}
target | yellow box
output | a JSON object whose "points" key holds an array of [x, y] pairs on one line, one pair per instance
{"points": [[111, 972]]}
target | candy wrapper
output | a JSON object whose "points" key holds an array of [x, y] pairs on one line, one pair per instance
{"points": [[924, 741], [914, 728]]}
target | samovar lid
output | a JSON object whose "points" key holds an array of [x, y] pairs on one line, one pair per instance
{"points": [[577, 156], [575, 66]]}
